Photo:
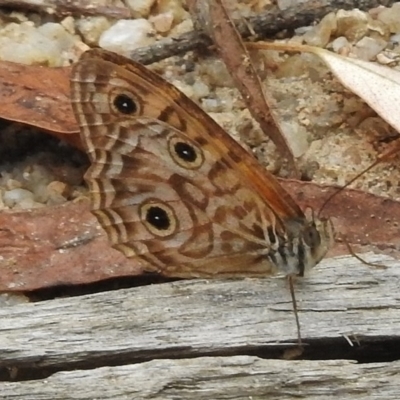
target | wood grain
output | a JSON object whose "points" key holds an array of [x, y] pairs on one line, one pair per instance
{"points": [[205, 378], [156, 338]]}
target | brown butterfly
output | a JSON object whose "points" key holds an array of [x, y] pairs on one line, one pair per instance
{"points": [[173, 190]]}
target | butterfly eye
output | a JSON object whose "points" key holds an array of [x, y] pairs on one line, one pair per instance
{"points": [[311, 236], [185, 154], [125, 104], [158, 218]]}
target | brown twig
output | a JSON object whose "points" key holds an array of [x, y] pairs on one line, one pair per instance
{"points": [[264, 25], [240, 66], [74, 7]]}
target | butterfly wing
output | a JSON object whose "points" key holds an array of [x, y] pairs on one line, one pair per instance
{"points": [[171, 106], [171, 188]]}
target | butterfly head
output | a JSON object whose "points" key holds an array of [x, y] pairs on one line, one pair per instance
{"points": [[308, 241]]}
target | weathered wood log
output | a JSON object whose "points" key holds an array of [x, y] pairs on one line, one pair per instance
{"points": [[206, 378], [345, 308]]}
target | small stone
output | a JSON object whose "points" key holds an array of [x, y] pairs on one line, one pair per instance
{"points": [[16, 196], [91, 28], [340, 44], [125, 36], [308, 170], [26, 44], [200, 90], [285, 4], [302, 30], [387, 58], [391, 17], [181, 28], [216, 73], [68, 24], [352, 24], [184, 88], [20, 17], [13, 184], [379, 29], [2, 205], [297, 65], [321, 34], [356, 32], [395, 39], [212, 105], [368, 48], [57, 33], [57, 187], [296, 136], [172, 6], [26, 204], [376, 128], [140, 8], [162, 22]]}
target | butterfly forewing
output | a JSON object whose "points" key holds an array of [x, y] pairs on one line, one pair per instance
{"points": [[170, 105]]}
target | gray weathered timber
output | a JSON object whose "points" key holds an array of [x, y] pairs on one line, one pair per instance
{"points": [[340, 299], [210, 378]]}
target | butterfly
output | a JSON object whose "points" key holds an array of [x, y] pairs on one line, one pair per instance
{"points": [[173, 191]]}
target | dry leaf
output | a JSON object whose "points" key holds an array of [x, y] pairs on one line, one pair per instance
{"points": [[38, 96], [377, 85], [218, 25], [63, 245], [53, 246]]}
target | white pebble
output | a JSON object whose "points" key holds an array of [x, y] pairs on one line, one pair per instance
{"points": [[395, 39], [391, 17], [140, 8], [367, 48], [26, 204], [11, 197], [25, 44], [56, 192], [91, 28], [200, 90], [184, 87], [162, 22], [13, 184], [68, 24], [127, 35], [339, 43], [296, 136]]}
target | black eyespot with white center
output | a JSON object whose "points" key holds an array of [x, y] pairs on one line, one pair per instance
{"points": [[185, 153], [124, 101], [158, 218], [125, 104]]}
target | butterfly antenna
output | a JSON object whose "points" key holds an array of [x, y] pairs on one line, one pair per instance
{"points": [[351, 251], [324, 204]]}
